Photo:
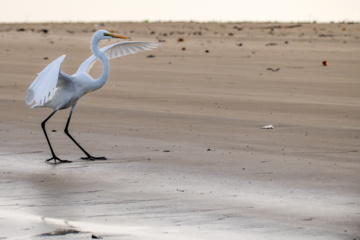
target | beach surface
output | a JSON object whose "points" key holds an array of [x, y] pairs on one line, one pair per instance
{"points": [[181, 127]]}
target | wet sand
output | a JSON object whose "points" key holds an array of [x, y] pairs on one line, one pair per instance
{"points": [[187, 158]]}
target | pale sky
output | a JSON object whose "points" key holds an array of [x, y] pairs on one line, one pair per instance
{"points": [[178, 10]]}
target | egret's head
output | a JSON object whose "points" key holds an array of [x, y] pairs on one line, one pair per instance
{"points": [[102, 34]]}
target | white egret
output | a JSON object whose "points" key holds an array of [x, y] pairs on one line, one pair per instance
{"points": [[57, 90]]}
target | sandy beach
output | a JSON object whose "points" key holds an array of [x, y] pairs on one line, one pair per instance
{"points": [[182, 131]]}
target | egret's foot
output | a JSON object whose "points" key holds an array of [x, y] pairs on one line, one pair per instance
{"points": [[91, 158], [56, 159]]}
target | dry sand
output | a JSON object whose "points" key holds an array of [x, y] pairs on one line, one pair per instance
{"points": [[186, 156]]}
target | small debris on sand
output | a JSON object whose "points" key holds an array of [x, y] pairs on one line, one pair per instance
{"points": [[96, 237], [326, 35], [43, 30], [271, 44], [272, 69], [268, 127]]}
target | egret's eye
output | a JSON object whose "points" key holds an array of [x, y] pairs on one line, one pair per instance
{"points": [[107, 34]]}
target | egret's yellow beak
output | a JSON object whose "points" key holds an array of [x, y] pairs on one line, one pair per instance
{"points": [[118, 36]]}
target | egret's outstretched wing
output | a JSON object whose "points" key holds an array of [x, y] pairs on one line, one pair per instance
{"points": [[43, 87], [118, 50]]}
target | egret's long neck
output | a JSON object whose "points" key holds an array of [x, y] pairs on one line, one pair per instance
{"points": [[105, 63]]}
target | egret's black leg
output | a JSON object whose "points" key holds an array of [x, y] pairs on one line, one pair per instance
{"points": [[54, 157], [88, 156]]}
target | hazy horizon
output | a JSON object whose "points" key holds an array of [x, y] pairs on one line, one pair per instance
{"points": [[24, 11]]}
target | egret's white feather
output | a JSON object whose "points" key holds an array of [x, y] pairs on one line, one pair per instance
{"points": [[43, 88], [118, 50]]}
